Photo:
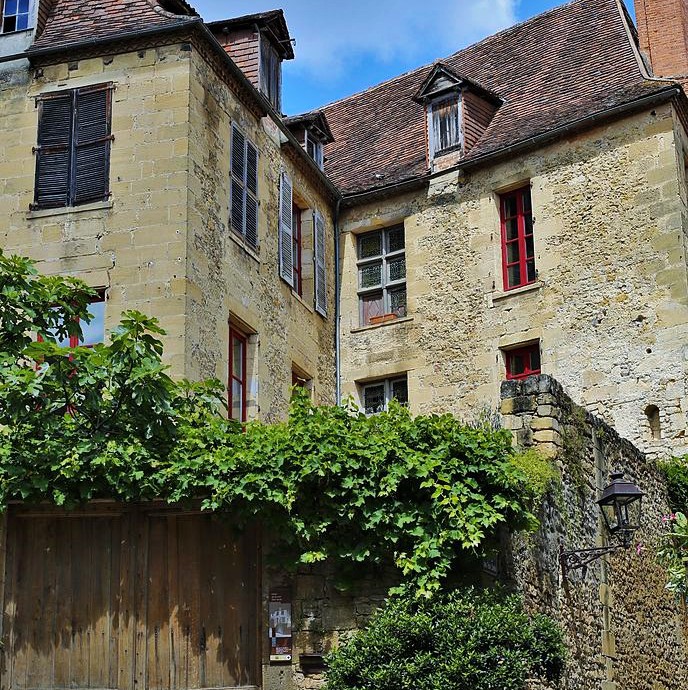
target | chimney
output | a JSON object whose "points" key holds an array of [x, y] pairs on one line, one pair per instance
{"points": [[258, 43], [663, 35]]}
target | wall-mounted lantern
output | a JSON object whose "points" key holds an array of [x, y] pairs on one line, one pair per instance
{"points": [[620, 504]]}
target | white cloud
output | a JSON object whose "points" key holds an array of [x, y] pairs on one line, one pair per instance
{"points": [[332, 35]]}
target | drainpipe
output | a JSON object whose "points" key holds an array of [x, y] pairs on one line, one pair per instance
{"points": [[337, 290]]}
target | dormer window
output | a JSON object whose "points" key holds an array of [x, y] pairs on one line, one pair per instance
{"points": [[15, 15], [458, 113], [314, 148], [444, 124], [270, 73]]}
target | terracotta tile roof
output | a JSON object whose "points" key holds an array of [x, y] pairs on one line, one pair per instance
{"points": [[568, 63], [74, 21]]}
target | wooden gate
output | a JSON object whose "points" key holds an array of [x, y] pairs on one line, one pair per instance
{"points": [[128, 598]]}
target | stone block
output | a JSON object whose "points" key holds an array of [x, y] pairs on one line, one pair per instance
{"points": [[547, 436]]}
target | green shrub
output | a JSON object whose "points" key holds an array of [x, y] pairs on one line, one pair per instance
{"points": [[676, 474], [465, 640], [541, 473]]}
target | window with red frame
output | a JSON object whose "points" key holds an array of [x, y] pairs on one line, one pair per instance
{"points": [[236, 389], [518, 249], [92, 333], [523, 362]]}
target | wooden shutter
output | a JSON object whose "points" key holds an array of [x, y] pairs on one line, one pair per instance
{"points": [[286, 231], [237, 166], [251, 194], [53, 151], [91, 165], [320, 266]]}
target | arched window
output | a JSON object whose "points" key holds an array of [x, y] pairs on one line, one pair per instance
{"points": [[652, 414]]}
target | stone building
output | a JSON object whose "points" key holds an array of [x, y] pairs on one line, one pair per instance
{"points": [[517, 207]]}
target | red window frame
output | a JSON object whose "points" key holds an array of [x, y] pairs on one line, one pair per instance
{"points": [[236, 336], [297, 251], [518, 271], [530, 356]]}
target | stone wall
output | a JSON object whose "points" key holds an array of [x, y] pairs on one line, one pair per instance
{"points": [[623, 629], [610, 305]]}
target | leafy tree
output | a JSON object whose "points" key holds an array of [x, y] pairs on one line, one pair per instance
{"points": [[108, 422], [465, 640]]}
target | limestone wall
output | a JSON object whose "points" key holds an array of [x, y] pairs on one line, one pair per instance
{"points": [[623, 629], [609, 308], [228, 279], [133, 244]]}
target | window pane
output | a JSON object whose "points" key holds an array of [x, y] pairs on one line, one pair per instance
{"points": [[517, 364], [237, 358], [397, 268], [526, 201], [370, 245], [395, 239], [512, 253], [530, 247], [509, 206], [400, 391], [374, 398], [22, 22], [513, 274], [94, 332], [24, 6], [397, 302], [371, 275], [535, 359], [371, 305], [511, 229], [10, 7], [529, 224], [531, 271], [237, 400]]}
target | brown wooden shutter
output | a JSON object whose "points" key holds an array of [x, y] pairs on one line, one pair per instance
{"points": [[251, 194], [237, 166], [53, 151], [320, 265], [91, 166], [286, 233]]}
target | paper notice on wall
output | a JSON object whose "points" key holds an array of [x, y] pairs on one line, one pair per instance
{"points": [[279, 625]]}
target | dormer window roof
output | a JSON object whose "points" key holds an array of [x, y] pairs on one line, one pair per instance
{"points": [[457, 109], [313, 132]]}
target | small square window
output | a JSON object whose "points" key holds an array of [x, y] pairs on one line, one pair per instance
{"points": [[15, 16], [376, 395], [522, 362]]}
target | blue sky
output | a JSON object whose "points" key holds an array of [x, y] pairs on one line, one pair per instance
{"points": [[345, 46]]}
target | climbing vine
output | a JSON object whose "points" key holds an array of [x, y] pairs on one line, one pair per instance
{"points": [[108, 422]]}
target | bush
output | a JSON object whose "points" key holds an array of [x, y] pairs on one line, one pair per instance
{"points": [[465, 640], [676, 474]]}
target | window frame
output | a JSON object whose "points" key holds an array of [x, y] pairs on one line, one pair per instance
{"points": [[317, 146], [15, 16], [388, 384], [433, 138], [72, 143], [240, 337], [387, 287], [521, 239], [525, 351], [297, 249], [74, 340], [270, 73]]}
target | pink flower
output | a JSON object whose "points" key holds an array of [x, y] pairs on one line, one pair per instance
{"points": [[639, 548]]}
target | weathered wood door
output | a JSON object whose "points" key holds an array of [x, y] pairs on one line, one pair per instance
{"points": [[130, 599]]}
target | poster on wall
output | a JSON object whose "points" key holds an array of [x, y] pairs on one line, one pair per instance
{"points": [[279, 626]]}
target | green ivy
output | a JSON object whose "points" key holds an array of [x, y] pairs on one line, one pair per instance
{"points": [[464, 640], [108, 422]]}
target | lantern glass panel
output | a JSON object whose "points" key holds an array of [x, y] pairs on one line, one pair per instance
{"points": [[630, 513], [611, 517]]}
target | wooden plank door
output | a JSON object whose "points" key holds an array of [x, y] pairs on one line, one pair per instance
{"points": [[61, 602], [199, 605]]}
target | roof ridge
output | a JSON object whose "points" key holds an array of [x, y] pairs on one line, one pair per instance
{"points": [[491, 37]]}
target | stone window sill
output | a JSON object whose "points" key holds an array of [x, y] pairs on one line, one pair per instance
{"points": [[302, 301], [373, 326], [69, 210], [240, 243], [533, 287]]}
